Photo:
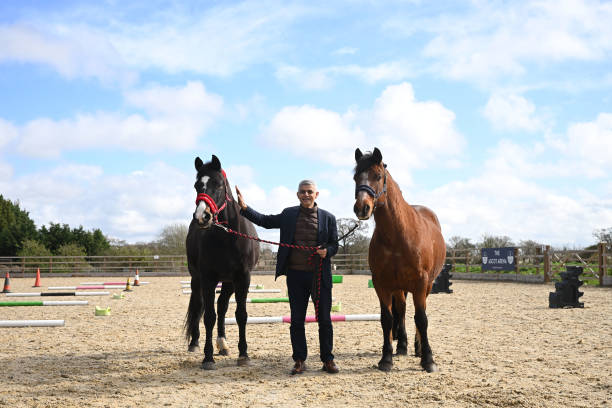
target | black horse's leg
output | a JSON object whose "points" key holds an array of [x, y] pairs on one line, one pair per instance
{"points": [[420, 319], [194, 314], [222, 303], [386, 321], [208, 293], [242, 289], [399, 319], [395, 318]]}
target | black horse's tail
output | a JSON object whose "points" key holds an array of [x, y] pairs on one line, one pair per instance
{"points": [[193, 316]]}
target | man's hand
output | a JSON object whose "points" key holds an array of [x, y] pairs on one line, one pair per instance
{"points": [[240, 199], [322, 252]]}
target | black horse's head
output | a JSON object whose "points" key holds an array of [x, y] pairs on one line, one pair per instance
{"points": [[212, 191], [370, 182]]}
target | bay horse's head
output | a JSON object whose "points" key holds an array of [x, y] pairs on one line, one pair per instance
{"points": [[212, 191], [370, 182]]}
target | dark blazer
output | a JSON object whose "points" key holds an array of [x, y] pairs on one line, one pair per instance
{"points": [[286, 221]]}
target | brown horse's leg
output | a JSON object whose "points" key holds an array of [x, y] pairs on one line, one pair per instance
{"points": [[399, 322], [417, 343], [420, 319], [386, 321]]}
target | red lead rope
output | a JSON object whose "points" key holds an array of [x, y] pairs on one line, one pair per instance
{"points": [[302, 247]]}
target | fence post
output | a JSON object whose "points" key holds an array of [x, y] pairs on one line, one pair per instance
{"points": [[467, 261], [601, 261], [453, 261], [50, 264], [23, 267], [547, 273], [516, 260]]}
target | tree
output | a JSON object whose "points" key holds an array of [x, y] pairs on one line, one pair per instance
{"points": [[492, 241], [349, 243], [460, 243], [15, 227], [172, 238], [31, 247], [604, 235]]}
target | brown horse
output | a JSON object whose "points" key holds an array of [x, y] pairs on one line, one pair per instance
{"points": [[406, 254]]}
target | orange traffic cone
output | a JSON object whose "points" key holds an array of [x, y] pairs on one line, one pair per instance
{"points": [[7, 284], [128, 287], [136, 279], [37, 281]]}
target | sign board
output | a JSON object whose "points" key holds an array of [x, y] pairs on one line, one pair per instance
{"points": [[498, 259]]}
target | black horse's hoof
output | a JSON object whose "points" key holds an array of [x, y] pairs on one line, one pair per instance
{"points": [[208, 365], [193, 348], [385, 366], [401, 351], [430, 367], [243, 361], [224, 352]]}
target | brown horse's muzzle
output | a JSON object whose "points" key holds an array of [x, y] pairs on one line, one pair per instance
{"points": [[363, 206]]}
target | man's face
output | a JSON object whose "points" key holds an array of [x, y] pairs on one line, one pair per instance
{"points": [[307, 194]]}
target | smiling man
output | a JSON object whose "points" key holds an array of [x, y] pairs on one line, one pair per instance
{"points": [[304, 225]]}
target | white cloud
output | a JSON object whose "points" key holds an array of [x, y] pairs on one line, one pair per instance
{"points": [[134, 206], [509, 111], [346, 51], [104, 42], [316, 133], [590, 143], [8, 132], [73, 51], [407, 131], [500, 39], [323, 78], [178, 116]]}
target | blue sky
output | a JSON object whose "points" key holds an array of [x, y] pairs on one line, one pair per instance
{"points": [[497, 115]]}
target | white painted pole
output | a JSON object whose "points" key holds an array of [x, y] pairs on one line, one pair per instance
{"points": [[64, 302], [31, 323], [309, 319], [110, 283]]}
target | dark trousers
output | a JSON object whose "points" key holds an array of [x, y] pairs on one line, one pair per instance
{"points": [[299, 286]]}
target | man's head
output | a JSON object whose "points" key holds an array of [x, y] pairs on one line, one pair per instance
{"points": [[307, 193]]}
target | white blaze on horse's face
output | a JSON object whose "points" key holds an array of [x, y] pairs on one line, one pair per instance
{"points": [[364, 203], [202, 208]]}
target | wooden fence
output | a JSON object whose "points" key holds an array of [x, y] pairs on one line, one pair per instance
{"points": [[541, 264]]}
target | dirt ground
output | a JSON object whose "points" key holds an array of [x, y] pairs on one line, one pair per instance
{"points": [[497, 345]]}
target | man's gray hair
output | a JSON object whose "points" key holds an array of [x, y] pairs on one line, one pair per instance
{"points": [[307, 183]]}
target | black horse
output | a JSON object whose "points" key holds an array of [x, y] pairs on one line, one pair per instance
{"points": [[213, 256]]}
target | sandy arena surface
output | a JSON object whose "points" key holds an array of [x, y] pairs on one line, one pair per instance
{"points": [[497, 345]]}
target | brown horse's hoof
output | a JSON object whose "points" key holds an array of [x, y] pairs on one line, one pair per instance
{"points": [[224, 352], [243, 361], [385, 366], [208, 365], [430, 367], [193, 348]]}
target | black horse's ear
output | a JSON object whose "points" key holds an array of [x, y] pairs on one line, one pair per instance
{"points": [[358, 154], [377, 155], [216, 164], [198, 163]]}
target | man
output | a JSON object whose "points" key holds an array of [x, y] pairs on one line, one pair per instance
{"points": [[306, 225]]}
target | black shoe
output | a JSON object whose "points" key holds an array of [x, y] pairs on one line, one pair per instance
{"points": [[330, 367], [299, 367]]}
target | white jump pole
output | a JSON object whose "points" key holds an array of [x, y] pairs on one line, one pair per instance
{"points": [[46, 303], [109, 283], [309, 319], [33, 294], [31, 323], [252, 285]]}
